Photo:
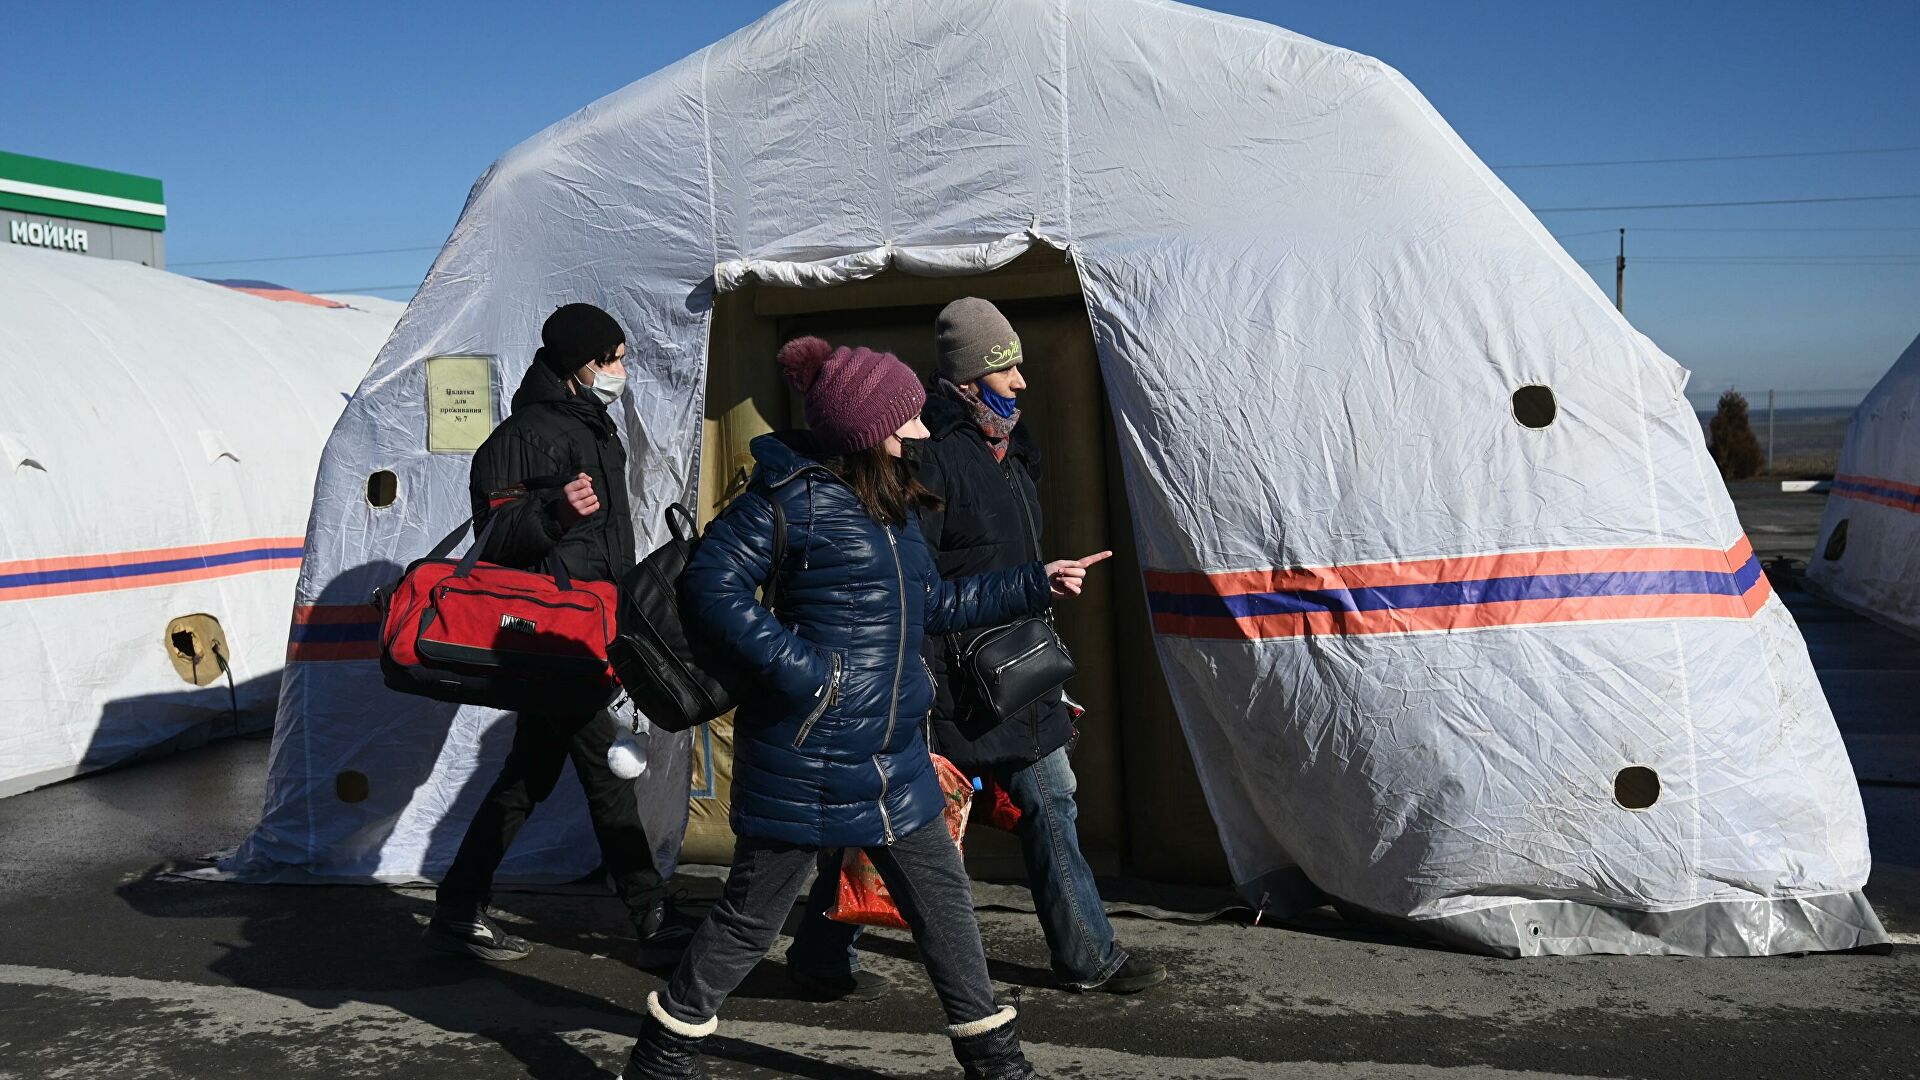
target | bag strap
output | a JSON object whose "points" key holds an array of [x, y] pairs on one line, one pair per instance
{"points": [[683, 527], [685, 533], [452, 539], [556, 567]]}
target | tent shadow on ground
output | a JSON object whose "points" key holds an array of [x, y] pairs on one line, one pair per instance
{"points": [[329, 946]]}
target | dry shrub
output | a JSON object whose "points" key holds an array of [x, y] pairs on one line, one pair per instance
{"points": [[1731, 441]]}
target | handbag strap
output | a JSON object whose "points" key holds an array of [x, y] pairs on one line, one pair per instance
{"points": [[556, 567], [681, 524]]}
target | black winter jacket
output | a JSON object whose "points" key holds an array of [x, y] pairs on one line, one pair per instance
{"points": [[552, 436], [991, 521], [832, 750]]}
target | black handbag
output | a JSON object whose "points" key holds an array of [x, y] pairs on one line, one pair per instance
{"points": [[678, 680], [1010, 667]]}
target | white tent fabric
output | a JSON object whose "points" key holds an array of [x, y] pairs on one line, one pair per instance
{"points": [[160, 439], [1868, 553], [1413, 642]]}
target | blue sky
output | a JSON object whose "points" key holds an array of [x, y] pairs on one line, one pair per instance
{"points": [[287, 131]]}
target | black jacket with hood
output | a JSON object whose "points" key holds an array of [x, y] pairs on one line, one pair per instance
{"points": [[991, 521], [552, 436]]}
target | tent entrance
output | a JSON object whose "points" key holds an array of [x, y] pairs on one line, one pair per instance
{"points": [[1141, 809]]}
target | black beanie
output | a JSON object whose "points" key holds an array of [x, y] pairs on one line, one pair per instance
{"points": [[575, 335]]}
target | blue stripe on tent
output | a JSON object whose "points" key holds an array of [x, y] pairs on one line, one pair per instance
{"points": [[1463, 593], [1895, 494], [157, 566], [335, 632]]}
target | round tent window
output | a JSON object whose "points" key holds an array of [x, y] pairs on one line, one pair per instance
{"points": [[1836, 542], [197, 648], [1534, 407], [1636, 787], [350, 786], [382, 488]]}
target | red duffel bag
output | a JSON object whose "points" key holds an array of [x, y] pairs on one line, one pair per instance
{"points": [[479, 634]]}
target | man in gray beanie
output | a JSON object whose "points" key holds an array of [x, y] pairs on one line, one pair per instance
{"points": [[985, 465]]}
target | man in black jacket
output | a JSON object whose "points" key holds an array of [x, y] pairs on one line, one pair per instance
{"points": [[985, 465], [551, 479]]}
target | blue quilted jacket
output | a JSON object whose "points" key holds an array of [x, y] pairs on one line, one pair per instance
{"points": [[831, 750]]}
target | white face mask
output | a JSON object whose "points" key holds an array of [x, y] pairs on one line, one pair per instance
{"points": [[608, 387]]}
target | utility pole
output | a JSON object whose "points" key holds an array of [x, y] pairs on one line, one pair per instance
{"points": [[1620, 276], [1769, 431]]}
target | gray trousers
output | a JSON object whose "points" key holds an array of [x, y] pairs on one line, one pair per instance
{"points": [[922, 870]]}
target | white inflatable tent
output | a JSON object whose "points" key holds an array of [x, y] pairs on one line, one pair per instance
{"points": [[160, 438], [1868, 553], [1457, 615]]}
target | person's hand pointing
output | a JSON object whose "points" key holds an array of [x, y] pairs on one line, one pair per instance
{"points": [[1066, 577]]}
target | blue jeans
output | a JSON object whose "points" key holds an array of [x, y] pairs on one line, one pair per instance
{"points": [[1079, 937]]}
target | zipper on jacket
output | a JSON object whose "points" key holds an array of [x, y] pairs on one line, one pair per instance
{"points": [[886, 823], [828, 695], [1033, 531], [1020, 500], [893, 700]]}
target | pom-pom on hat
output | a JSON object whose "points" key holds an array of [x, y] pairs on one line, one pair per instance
{"points": [[855, 397]]}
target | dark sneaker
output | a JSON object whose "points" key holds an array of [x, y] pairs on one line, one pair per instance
{"points": [[1134, 976], [664, 932], [859, 986], [475, 935]]}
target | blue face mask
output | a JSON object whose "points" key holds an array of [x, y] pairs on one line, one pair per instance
{"points": [[1002, 406]]}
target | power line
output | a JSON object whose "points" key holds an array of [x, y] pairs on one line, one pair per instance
{"points": [[1679, 261], [1746, 228], [1715, 157], [317, 255], [1793, 255], [1774, 228], [366, 288], [1737, 202]]}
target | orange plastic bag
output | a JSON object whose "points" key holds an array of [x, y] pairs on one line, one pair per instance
{"points": [[863, 899]]}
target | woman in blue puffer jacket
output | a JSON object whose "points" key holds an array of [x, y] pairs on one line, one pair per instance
{"points": [[832, 753]]}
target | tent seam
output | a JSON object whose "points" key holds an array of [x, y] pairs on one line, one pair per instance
{"points": [[1066, 133], [706, 140]]}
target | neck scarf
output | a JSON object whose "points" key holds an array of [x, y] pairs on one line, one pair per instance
{"points": [[995, 427], [1001, 406]]}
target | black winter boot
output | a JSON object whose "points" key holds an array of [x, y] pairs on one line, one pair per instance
{"points": [[668, 1049], [989, 1048]]}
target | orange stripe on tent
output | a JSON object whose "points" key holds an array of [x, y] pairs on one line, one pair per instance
{"points": [[1463, 568], [143, 581], [1894, 485], [330, 651], [126, 558], [1467, 617], [334, 614], [1878, 500]]}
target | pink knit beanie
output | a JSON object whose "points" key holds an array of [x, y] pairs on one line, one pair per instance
{"points": [[855, 397]]}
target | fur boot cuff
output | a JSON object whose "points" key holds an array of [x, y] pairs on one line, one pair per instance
{"points": [[695, 1031], [983, 1025]]}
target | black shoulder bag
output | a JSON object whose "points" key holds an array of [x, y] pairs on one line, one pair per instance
{"points": [[1010, 667], [677, 679]]}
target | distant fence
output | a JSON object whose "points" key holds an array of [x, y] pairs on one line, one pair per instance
{"points": [[1800, 431]]}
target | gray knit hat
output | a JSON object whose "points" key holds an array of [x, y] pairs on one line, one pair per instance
{"points": [[972, 338]]}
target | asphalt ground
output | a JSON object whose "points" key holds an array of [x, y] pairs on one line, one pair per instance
{"points": [[109, 969]]}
